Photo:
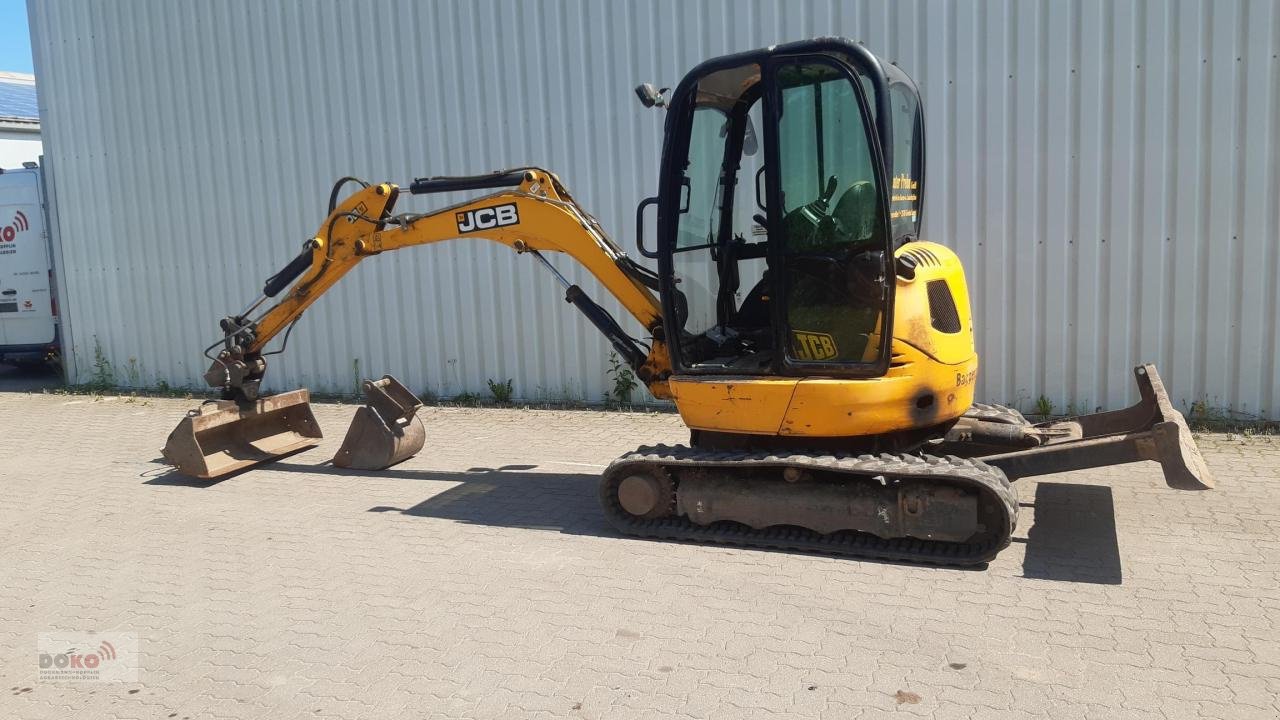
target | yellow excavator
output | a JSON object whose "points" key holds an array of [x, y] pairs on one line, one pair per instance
{"points": [[821, 353]]}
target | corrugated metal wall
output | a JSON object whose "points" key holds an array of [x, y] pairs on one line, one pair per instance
{"points": [[1107, 170]]}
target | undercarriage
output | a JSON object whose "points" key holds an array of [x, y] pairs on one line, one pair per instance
{"points": [[948, 500]]}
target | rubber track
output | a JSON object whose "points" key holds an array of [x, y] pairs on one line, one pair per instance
{"points": [[965, 471], [996, 413]]}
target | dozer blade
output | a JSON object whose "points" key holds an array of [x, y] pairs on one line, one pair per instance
{"points": [[1172, 444], [1149, 430], [386, 430], [222, 437]]}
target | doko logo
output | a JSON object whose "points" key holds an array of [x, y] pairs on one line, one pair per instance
{"points": [[75, 661], [110, 658], [19, 224]]}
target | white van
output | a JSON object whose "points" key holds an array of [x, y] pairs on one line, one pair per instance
{"points": [[28, 310]]}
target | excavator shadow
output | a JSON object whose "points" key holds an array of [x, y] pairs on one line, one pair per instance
{"points": [[1073, 537], [506, 496]]}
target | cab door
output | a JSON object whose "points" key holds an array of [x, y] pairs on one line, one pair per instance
{"points": [[829, 233]]}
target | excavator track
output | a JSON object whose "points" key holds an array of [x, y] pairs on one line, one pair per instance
{"points": [[998, 502]]}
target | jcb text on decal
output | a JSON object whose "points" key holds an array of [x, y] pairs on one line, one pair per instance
{"points": [[488, 217], [813, 346]]}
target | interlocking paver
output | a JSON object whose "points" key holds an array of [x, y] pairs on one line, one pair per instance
{"points": [[479, 579]]}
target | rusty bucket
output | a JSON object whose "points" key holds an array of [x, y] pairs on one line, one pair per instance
{"points": [[221, 437], [386, 430]]}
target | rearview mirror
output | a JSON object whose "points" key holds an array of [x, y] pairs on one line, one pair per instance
{"points": [[651, 96]]}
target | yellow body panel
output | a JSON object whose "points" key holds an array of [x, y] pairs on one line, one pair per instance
{"points": [[747, 404], [930, 379]]}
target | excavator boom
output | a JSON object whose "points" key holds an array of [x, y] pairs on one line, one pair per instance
{"points": [[532, 214]]}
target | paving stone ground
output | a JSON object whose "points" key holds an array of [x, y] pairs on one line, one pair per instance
{"points": [[479, 579]]}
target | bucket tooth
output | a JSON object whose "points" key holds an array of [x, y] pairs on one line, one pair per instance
{"points": [[222, 437], [385, 430]]}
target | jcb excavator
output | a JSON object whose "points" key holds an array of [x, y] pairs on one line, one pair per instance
{"points": [[821, 353]]}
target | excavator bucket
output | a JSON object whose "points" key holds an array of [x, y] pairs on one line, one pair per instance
{"points": [[222, 437], [386, 430]]}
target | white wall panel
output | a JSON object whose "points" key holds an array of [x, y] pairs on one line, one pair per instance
{"points": [[1107, 170], [18, 147]]}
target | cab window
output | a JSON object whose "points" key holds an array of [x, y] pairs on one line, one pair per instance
{"points": [[833, 220]]}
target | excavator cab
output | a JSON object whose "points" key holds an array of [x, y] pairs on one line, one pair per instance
{"points": [[789, 176]]}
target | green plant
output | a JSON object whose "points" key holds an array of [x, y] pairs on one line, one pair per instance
{"points": [[624, 381], [1202, 415], [1201, 412], [501, 391], [104, 375], [1044, 406], [357, 381], [468, 398]]}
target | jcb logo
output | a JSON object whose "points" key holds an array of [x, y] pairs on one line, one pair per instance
{"points": [[813, 346], [486, 218]]}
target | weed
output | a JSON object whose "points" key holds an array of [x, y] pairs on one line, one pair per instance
{"points": [[429, 396], [624, 381], [501, 391], [357, 381], [104, 375], [1202, 413], [468, 399], [1044, 406]]}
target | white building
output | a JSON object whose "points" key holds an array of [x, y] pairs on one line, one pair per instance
{"points": [[19, 120], [1107, 171]]}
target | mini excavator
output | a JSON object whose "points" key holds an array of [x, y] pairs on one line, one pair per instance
{"points": [[821, 353]]}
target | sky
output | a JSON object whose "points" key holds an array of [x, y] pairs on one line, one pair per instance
{"points": [[15, 40]]}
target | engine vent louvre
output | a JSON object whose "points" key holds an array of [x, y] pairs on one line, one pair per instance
{"points": [[942, 307], [923, 256]]}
